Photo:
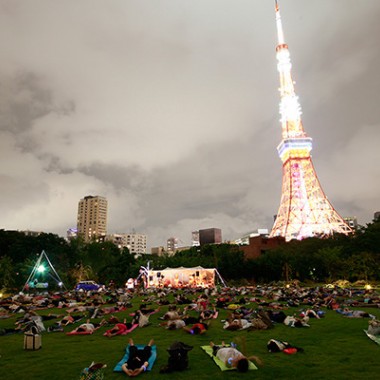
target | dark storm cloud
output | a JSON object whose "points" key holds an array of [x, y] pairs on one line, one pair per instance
{"points": [[22, 100], [120, 177]]}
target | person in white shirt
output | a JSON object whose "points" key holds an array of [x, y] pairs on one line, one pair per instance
{"points": [[232, 357]]}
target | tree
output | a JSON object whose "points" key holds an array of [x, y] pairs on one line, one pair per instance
{"points": [[364, 266], [332, 262], [81, 272], [7, 273]]}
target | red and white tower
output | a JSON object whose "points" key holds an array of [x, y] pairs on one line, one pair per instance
{"points": [[304, 209]]}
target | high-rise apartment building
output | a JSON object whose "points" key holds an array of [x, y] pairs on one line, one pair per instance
{"points": [[92, 218], [136, 243]]}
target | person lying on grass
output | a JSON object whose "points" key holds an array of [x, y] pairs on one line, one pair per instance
{"points": [[208, 313], [100, 312], [89, 327], [68, 319], [232, 357], [119, 328], [174, 324], [236, 324], [146, 310], [353, 313], [138, 359], [197, 328], [172, 313]]}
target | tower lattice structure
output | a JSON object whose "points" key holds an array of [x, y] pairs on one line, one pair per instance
{"points": [[304, 209]]}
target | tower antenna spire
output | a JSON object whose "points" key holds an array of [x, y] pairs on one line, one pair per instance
{"points": [[304, 208], [280, 32]]}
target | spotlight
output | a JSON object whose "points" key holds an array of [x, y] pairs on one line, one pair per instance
{"points": [[41, 269]]}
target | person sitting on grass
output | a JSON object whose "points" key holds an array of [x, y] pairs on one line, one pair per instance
{"points": [[138, 359], [232, 357]]}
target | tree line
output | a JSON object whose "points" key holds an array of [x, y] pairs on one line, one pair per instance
{"points": [[355, 257]]}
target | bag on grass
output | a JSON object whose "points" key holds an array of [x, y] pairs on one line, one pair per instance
{"points": [[259, 324], [93, 372], [374, 327], [178, 358]]}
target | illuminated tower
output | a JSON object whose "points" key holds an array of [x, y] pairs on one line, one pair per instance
{"points": [[304, 209]]}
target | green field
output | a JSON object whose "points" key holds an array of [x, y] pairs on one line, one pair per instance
{"points": [[335, 347]]}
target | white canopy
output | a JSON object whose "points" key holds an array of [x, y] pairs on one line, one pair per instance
{"points": [[182, 277]]}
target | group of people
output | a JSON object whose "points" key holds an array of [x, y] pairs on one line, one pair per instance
{"points": [[230, 356], [190, 310]]}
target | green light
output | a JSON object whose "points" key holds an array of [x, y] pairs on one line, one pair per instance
{"points": [[41, 268]]}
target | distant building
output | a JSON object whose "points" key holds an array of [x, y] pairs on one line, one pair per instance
{"points": [[259, 245], [183, 248], [159, 251], [136, 243], [92, 218], [210, 236], [195, 239], [352, 221], [244, 240], [376, 216], [71, 233], [172, 245], [31, 233]]}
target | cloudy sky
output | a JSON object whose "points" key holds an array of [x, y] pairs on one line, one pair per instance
{"points": [[169, 108]]}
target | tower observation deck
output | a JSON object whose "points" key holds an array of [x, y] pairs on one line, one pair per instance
{"points": [[304, 208]]}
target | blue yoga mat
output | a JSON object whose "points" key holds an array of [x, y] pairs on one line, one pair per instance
{"points": [[125, 358]]}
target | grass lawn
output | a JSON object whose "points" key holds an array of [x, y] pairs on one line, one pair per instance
{"points": [[335, 348]]}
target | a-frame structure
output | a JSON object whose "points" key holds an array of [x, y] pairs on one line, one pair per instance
{"points": [[39, 266]]}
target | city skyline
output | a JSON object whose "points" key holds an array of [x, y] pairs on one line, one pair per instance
{"points": [[170, 111]]}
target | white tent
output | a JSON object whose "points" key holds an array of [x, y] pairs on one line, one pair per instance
{"points": [[182, 277]]}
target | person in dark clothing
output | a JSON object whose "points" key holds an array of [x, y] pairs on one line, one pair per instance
{"points": [[138, 359]]}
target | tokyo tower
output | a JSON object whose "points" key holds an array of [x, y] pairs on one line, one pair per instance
{"points": [[304, 209]]}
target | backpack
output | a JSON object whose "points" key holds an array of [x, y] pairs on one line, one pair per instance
{"points": [[278, 316], [178, 359], [374, 327], [259, 324]]}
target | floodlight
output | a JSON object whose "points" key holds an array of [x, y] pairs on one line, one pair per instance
{"points": [[41, 268]]}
